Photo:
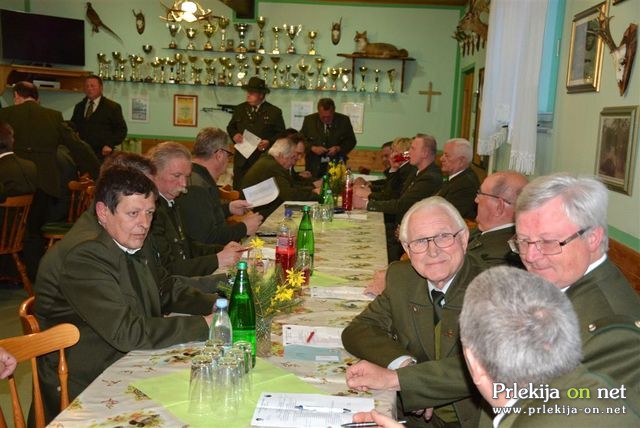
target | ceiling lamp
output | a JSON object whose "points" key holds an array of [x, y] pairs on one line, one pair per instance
{"points": [[187, 11]]}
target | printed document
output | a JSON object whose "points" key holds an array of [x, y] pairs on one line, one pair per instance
{"points": [[262, 193], [249, 144]]}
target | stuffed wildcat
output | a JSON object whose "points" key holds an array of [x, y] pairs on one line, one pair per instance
{"points": [[379, 50]]}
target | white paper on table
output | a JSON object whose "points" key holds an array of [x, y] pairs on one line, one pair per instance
{"points": [[275, 409], [262, 193], [249, 144], [321, 337], [351, 216], [368, 177], [342, 292]]}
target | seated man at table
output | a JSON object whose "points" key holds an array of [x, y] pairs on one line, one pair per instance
{"points": [[98, 279], [179, 254], [462, 183], [496, 201], [517, 330], [201, 205], [276, 164], [415, 319]]}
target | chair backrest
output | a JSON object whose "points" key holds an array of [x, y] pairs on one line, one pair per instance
{"points": [[27, 318], [29, 347], [228, 194], [13, 222], [80, 198]]}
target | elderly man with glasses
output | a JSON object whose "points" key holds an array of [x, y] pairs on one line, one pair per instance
{"points": [[415, 320], [561, 225]]}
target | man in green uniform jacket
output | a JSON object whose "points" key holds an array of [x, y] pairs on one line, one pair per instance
{"points": [[17, 176], [415, 319], [462, 184], [96, 279]]}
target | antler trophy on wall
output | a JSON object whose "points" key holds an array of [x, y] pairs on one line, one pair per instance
{"points": [[471, 31]]}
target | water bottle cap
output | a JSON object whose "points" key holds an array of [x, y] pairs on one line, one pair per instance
{"points": [[288, 212], [306, 208], [329, 192], [242, 265], [222, 303]]}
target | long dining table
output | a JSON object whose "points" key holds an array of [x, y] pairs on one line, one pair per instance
{"points": [[148, 388]]}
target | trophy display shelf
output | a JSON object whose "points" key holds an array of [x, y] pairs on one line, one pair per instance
{"points": [[218, 51], [356, 56], [62, 80]]}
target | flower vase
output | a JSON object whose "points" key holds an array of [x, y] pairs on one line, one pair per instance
{"points": [[263, 336]]}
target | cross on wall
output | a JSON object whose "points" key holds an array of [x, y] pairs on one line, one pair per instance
{"points": [[429, 93]]}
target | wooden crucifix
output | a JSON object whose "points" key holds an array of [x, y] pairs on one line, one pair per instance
{"points": [[429, 93]]}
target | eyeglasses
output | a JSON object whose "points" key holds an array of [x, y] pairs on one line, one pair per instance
{"points": [[479, 193], [548, 247], [442, 240], [229, 154]]}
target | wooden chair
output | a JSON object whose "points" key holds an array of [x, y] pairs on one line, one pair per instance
{"points": [[228, 194], [29, 347], [13, 223], [81, 197], [27, 318]]}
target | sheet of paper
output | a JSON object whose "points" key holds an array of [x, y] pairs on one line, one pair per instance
{"points": [[249, 144], [325, 337], [307, 410], [368, 177], [343, 293], [350, 216], [262, 193]]}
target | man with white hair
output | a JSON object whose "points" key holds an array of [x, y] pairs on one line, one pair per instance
{"points": [[175, 251], [561, 235], [461, 187], [415, 319], [276, 163]]}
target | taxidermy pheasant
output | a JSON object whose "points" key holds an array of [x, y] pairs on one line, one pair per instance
{"points": [[96, 22]]}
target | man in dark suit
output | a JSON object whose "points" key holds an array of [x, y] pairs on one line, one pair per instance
{"points": [[462, 184], [561, 235], [259, 117], [329, 136], [99, 120], [426, 182], [38, 131], [496, 201], [17, 176], [98, 279], [415, 319], [276, 164], [179, 254], [201, 205]]}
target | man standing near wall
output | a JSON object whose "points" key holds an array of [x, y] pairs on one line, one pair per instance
{"points": [[99, 120]]}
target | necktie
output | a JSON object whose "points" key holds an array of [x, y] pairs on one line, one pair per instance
{"points": [[89, 111], [438, 297]]}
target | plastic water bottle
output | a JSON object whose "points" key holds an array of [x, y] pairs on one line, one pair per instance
{"points": [[328, 205], [286, 242], [221, 330], [347, 193], [242, 310]]}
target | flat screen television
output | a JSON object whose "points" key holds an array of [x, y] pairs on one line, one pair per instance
{"points": [[32, 39]]}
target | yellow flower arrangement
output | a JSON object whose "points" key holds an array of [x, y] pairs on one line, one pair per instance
{"points": [[337, 172]]}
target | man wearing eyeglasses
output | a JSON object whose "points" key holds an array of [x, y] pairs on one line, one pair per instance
{"points": [[201, 205], [496, 216], [415, 320], [561, 225]]}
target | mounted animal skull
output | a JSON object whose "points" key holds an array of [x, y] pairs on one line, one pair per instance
{"points": [[622, 54], [336, 28], [471, 31]]}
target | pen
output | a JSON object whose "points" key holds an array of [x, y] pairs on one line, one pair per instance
{"points": [[365, 424], [322, 409], [310, 336]]}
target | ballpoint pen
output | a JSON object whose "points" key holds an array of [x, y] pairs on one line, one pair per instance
{"points": [[322, 409], [365, 424]]}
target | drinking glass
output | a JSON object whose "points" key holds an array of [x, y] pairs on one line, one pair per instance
{"points": [[226, 392], [201, 383], [304, 264]]}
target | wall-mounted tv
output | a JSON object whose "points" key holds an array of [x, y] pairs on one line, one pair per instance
{"points": [[32, 39]]}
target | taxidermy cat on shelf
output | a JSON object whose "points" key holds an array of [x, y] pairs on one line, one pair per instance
{"points": [[379, 50]]}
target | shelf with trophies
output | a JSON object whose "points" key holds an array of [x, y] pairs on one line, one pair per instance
{"points": [[47, 78], [391, 73]]}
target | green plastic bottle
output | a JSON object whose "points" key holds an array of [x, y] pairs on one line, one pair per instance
{"points": [[305, 234], [242, 310]]}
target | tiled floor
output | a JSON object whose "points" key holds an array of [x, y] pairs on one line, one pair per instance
{"points": [[10, 298]]}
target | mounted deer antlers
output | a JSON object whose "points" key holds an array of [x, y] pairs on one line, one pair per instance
{"points": [[471, 30], [622, 54]]}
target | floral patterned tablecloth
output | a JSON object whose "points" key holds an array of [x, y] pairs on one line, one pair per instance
{"points": [[349, 249]]}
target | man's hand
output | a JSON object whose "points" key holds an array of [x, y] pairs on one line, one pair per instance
{"points": [[361, 192], [360, 203], [361, 182], [364, 376], [377, 284], [373, 416], [208, 319], [305, 174], [230, 254], [237, 138], [106, 150], [239, 207], [252, 221], [318, 150], [263, 145], [317, 183], [334, 150], [8, 364]]}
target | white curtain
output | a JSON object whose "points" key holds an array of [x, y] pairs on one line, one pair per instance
{"points": [[512, 70]]}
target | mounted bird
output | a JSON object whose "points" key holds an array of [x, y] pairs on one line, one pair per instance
{"points": [[96, 22]]}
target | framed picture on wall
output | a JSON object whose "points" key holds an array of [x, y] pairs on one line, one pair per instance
{"points": [[139, 108], [616, 152], [185, 110], [586, 51]]}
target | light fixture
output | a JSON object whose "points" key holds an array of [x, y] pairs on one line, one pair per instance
{"points": [[184, 10]]}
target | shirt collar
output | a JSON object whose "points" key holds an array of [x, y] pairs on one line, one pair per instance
{"points": [[502, 226], [501, 415], [444, 289], [170, 202], [5, 154], [95, 102], [125, 249], [591, 267], [452, 176]]}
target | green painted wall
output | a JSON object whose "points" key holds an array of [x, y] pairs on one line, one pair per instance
{"points": [[424, 32]]}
